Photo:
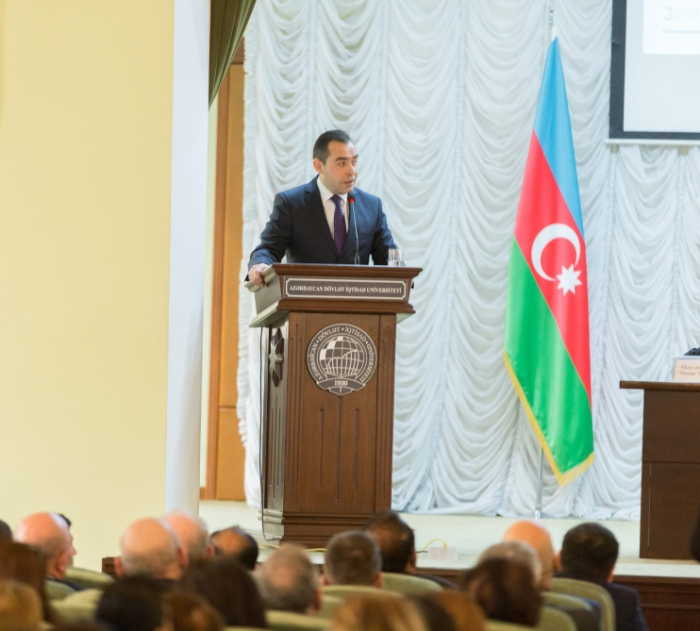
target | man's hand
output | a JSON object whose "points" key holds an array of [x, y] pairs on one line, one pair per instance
{"points": [[255, 274]]}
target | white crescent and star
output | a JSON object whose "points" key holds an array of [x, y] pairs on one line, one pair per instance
{"points": [[568, 279]]}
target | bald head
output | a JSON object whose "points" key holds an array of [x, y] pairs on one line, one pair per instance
{"points": [[540, 540], [150, 547], [49, 532], [237, 543], [193, 535]]}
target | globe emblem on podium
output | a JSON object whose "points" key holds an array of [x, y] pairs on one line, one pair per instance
{"points": [[341, 358]]}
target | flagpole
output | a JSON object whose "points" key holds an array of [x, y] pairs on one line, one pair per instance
{"points": [[538, 502]]}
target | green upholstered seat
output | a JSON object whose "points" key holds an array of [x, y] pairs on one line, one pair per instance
{"points": [[56, 590], [328, 605], [79, 606], [407, 584], [591, 591], [88, 578], [555, 620], [333, 595], [497, 625], [289, 621], [566, 601]]}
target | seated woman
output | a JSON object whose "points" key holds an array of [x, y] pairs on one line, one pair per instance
{"points": [[505, 590]]}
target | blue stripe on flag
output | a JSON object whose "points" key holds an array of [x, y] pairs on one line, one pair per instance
{"points": [[553, 129]]}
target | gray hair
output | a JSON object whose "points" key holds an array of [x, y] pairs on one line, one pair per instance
{"points": [[288, 580], [519, 551], [352, 558]]}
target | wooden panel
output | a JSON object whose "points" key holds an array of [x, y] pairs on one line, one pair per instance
{"points": [[385, 412], [671, 426], [231, 457], [338, 435], [674, 493]]}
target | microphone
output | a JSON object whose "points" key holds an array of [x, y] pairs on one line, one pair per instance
{"points": [[351, 205]]}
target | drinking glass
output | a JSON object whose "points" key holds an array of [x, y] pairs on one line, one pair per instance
{"points": [[396, 258]]}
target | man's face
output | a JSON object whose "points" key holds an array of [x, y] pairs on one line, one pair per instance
{"points": [[339, 172]]}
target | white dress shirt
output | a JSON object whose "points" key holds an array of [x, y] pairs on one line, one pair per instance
{"points": [[329, 206]]}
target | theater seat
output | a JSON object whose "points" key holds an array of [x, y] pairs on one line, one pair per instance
{"points": [[333, 595], [408, 585], [497, 625], [57, 591], [590, 591], [79, 606], [88, 578], [555, 620], [288, 621]]}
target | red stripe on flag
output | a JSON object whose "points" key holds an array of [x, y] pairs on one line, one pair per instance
{"points": [[542, 204]]}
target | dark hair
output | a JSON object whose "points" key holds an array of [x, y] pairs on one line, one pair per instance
{"points": [[395, 538], [505, 590], [433, 614], [589, 551], [5, 531], [26, 564], [321, 151], [77, 626], [247, 554], [190, 612], [229, 588], [462, 608], [352, 558], [133, 603]]}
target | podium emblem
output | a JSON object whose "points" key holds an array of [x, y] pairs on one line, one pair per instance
{"points": [[341, 358]]}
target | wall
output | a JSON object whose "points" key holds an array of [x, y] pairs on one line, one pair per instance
{"points": [[85, 161]]}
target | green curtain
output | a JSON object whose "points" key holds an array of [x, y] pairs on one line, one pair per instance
{"points": [[228, 22]]}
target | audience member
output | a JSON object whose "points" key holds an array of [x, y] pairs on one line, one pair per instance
{"points": [[236, 542], [20, 607], [540, 540], [288, 581], [189, 612], [352, 558], [50, 533], [505, 590], [5, 531], [23, 563], [77, 626], [397, 545], [433, 614], [589, 553], [377, 613], [523, 552], [150, 547], [132, 603], [516, 551], [193, 535], [229, 588], [465, 613]]}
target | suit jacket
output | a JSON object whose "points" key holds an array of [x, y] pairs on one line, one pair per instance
{"points": [[628, 607], [298, 228]]}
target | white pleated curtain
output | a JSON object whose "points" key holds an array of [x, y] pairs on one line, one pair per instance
{"points": [[440, 97]]}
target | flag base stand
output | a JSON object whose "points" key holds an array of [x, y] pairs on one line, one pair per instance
{"points": [[538, 501]]}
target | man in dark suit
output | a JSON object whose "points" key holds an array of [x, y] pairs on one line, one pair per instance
{"points": [[589, 553], [327, 220]]}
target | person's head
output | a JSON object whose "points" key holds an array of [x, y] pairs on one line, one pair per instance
{"points": [[193, 535], [540, 540], [516, 551], [228, 587], [132, 603], [26, 564], [352, 558], [396, 541], [5, 531], [288, 581], [505, 591], [464, 611], [20, 607], [335, 161], [50, 533], [236, 542], [589, 552], [377, 613], [189, 612], [150, 547]]}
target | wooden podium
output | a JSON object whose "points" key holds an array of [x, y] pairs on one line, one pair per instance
{"points": [[670, 467], [328, 395]]}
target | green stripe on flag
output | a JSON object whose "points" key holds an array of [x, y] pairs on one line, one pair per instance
{"points": [[557, 405]]}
